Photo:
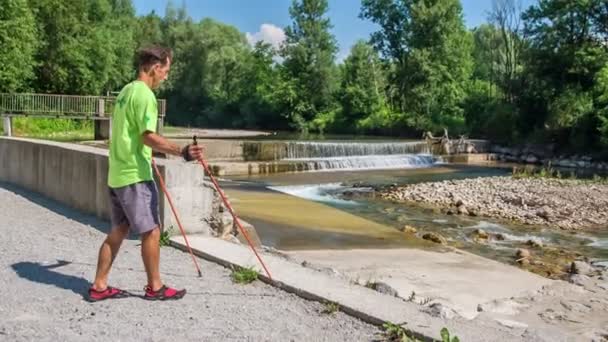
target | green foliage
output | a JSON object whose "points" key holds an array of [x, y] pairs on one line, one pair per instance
{"points": [[429, 51], [330, 308], [445, 336], [19, 41], [259, 105], [308, 66], [548, 172], [244, 275], [396, 332], [362, 92], [564, 65], [601, 93], [165, 237], [87, 46], [539, 76], [53, 129]]}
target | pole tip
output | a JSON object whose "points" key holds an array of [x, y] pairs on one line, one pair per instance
{"points": [[200, 275]]}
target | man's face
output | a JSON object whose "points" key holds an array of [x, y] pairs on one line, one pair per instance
{"points": [[159, 73]]}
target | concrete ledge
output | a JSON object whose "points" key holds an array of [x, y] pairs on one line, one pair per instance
{"points": [[471, 158], [358, 301], [76, 176]]}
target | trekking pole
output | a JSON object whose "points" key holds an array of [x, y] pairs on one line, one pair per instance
{"points": [[179, 223], [234, 217]]}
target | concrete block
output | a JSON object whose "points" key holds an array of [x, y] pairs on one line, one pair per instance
{"points": [[76, 175]]}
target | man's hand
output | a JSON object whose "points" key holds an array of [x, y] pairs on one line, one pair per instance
{"points": [[160, 144], [192, 152]]}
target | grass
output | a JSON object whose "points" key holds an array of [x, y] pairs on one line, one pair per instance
{"points": [[165, 237], [397, 333], [53, 129], [244, 275], [551, 173], [331, 308]]}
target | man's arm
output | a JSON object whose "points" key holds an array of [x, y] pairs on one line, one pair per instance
{"points": [[161, 144]]}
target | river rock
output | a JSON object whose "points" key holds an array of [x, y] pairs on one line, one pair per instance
{"points": [[439, 310], [506, 307], [544, 213], [462, 210], [480, 233], [581, 267], [409, 229], [534, 243], [385, 288], [523, 256], [499, 237], [534, 201], [436, 238]]}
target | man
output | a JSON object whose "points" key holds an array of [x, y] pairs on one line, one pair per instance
{"points": [[133, 193]]}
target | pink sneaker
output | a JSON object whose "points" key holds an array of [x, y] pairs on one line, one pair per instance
{"points": [[164, 293], [109, 292]]}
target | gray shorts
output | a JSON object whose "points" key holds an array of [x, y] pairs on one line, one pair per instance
{"points": [[135, 205]]}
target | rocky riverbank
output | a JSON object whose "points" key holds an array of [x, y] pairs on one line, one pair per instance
{"points": [[557, 203], [546, 156]]}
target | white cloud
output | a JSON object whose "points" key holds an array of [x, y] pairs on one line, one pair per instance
{"points": [[268, 33]]}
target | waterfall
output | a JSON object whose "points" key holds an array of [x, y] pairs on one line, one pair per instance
{"points": [[303, 149], [359, 156], [397, 161]]}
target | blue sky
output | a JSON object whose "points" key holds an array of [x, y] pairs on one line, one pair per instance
{"points": [[250, 15]]}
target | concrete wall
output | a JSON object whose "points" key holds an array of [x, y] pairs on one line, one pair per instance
{"points": [[76, 176]]}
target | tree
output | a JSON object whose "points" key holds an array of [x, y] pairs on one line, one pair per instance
{"points": [[568, 51], [309, 53], [87, 46], [362, 92], [601, 93], [392, 40], [430, 52], [149, 30], [206, 82], [18, 38], [259, 105], [225, 67], [505, 16]]}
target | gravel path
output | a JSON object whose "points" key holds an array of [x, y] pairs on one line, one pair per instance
{"points": [[48, 258]]}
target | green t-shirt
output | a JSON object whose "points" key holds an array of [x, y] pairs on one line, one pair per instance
{"points": [[135, 112]]}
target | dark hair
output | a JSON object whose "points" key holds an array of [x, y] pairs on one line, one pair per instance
{"points": [[151, 55]]}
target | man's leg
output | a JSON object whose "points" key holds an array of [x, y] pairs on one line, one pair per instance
{"points": [[107, 253], [150, 253]]}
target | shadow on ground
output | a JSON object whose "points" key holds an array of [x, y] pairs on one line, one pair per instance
{"points": [[45, 274], [61, 209]]}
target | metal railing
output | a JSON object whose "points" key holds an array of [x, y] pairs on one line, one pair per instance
{"points": [[62, 106]]}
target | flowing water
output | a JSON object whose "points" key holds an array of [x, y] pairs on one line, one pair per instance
{"points": [[372, 222]]}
